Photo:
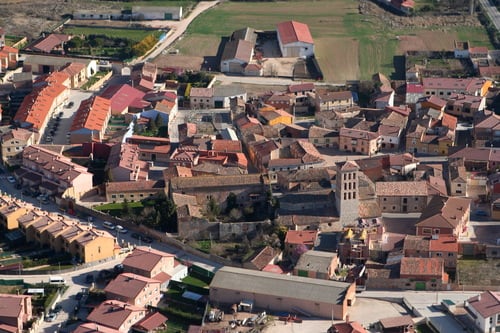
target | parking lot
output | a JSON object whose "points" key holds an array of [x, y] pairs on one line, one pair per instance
{"points": [[60, 123]]}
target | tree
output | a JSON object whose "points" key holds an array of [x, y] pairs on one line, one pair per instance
{"points": [[126, 207], [231, 202], [213, 209], [158, 121]]}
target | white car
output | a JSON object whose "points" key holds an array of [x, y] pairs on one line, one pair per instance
{"points": [[11, 179], [108, 225], [121, 229]]}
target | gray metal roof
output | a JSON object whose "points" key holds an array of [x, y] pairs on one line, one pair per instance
{"points": [[280, 285], [318, 261]]}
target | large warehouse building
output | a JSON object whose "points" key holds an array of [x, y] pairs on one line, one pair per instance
{"points": [[276, 292]]}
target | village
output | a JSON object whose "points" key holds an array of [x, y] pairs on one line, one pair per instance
{"points": [[290, 197]]}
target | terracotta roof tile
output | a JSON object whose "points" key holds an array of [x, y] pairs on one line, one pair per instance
{"points": [[292, 31]]}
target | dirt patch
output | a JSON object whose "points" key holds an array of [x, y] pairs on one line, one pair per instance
{"points": [[427, 41], [179, 61], [338, 58]]}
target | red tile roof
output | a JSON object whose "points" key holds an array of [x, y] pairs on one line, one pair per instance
{"points": [[151, 322], [416, 88], [306, 237], [292, 31], [444, 244], [123, 96], [351, 327], [308, 86], [94, 328], [487, 305], [145, 258], [227, 146], [422, 266], [37, 105], [92, 114], [114, 314], [50, 42], [129, 285]]}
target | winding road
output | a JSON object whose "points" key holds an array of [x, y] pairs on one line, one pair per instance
{"points": [[492, 12]]}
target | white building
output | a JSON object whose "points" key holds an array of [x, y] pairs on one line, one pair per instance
{"points": [[484, 310], [156, 13], [295, 39]]}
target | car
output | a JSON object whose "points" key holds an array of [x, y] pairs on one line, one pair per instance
{"points": [[121, 229], [108, 225], [89, 278], [51, 317], [147, 239], [11, 179], [480, 213], [48, 139]]}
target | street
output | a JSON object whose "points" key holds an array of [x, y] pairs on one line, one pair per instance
{"points": [[491, 12]]}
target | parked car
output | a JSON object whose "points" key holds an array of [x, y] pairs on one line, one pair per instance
{"points": [[118, 268], [108, 225], [121, 229], [480, 213], [51, 317], [11, 179]]}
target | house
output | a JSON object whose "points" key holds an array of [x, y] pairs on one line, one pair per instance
{"points": [[124, 98], [347, 327], [124, 164], [484, 311], [477, 159], [55, 174], [487, 131], [93, 328], [82, 242], [9, 57], [300, 240], [153, 322], [414, 92], [133, 191], [218, 97], [248, 188], [237, 55], [154, 264], [44, 64], [117, 315], [323, 137], [465, 106], [91, 120], [151, 148], [147, 13], [143, 76], [317, 264], [295, 40], [267, 256], [278, 292], [427, 270], [108, 14], [458, 180], [358, 141], [402, 197], [10, 211], [445, 247], [262, 152], [52, 43], [384, 95], [15, 312], [76, 72], [272, 116], [37, 107], [444, 216], [444, 87], [134, 289], [326, 100], [13, 143]]}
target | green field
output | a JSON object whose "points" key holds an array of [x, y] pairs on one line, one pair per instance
{"points": [[135, 35], [347, 45]]}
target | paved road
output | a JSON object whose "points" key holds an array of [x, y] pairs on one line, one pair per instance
{"points": [[492, 12], [177, 29]]}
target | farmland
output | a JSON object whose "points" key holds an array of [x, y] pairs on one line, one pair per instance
{"points": [[348, 45], [135, 35]]}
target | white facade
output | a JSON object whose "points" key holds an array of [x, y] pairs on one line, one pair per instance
{"points": [[296, 49]]}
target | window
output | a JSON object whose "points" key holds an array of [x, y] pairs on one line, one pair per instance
{"points": [[427, 231], [122, 196], [113, 196], [385, 199], [439, 254], [451, 254], [405, 200]]}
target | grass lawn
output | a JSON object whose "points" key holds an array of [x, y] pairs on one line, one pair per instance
{"points": [[194, 282], [467, 271], [135, 35], [118, 205], [348, 45]]}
